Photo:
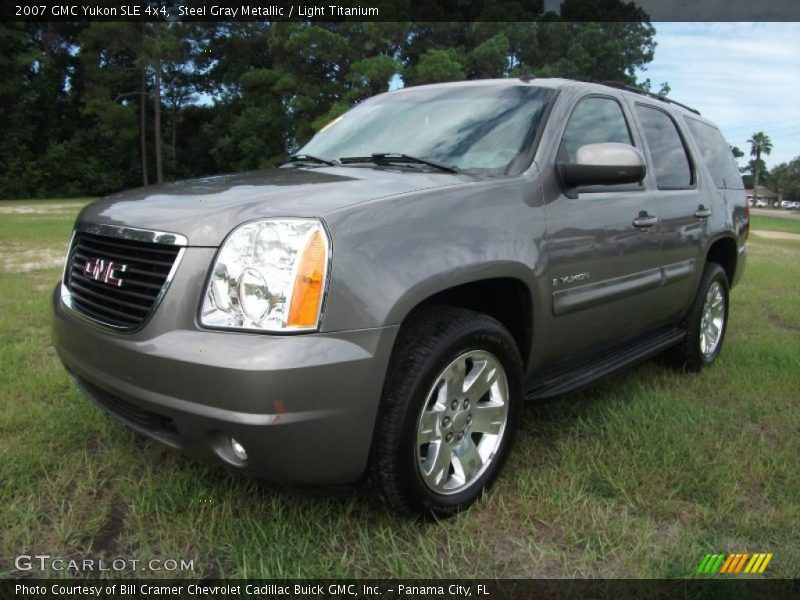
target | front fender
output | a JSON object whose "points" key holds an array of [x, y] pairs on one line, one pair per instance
{"points": [[390, 255], [436, 283]]}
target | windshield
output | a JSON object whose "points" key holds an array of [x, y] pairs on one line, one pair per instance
{"points": [[477, 128]]}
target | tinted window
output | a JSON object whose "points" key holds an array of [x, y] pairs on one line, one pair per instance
{"points": [[716, 154], [670, 163], [594, 121]]}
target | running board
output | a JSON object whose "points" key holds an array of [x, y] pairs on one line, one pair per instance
{"points": [[571, 377]]}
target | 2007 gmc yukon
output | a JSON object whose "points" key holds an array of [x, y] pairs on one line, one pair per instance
{"points": [[380, 305]]}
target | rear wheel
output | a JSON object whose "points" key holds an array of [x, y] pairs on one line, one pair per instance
{"points": [[706, 323], [448, 411]]}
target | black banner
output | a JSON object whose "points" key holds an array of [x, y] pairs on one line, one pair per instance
{"points": [[398, 10], [438, 589]]}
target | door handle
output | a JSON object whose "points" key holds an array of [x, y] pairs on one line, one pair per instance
{"points": [[702, 212], [644, 220]]}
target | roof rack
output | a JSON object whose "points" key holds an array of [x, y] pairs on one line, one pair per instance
{"points": [[637, 90]]}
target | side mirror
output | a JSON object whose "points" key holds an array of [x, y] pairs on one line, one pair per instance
{"points": [[604, 164]]}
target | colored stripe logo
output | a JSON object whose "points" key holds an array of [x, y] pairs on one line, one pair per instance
{"points": [[733, 564]]}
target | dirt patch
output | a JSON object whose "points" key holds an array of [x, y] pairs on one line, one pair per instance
{"points": [[105, 540], [778, 214], [520, 559], [59, 208], [15, 258], [773, 250], [781, 323], [776, 235]]}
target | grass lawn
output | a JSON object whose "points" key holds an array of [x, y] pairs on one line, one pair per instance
{"points": [[775, 224], [639, 476]]}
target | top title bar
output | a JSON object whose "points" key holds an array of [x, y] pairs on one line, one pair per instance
{"points": [[399, 10]]}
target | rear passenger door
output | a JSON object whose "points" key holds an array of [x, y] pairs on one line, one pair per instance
{"points": [[721, 170], [684, 205]]}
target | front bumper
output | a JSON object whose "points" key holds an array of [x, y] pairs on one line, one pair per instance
{"points": [[303, 406]]}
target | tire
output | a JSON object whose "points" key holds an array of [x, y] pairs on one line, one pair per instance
{"points": [[697, 351], [418, 426]]}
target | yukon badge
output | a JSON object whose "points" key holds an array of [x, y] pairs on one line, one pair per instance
{"points": [[104, 270], [567, 279]]}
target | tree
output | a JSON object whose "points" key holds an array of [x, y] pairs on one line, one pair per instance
{"points": [[117, 73], [749, 170], [737, 152], [279, 83], [759, 144], [18, 108], [793, 191], [165, 53], [786, 179], [435, 66], [85, 106], [550, 47], [175, 81], [157, 103], [37, 111], [781, 177]]}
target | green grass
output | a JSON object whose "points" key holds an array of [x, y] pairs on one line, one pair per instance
{"points": [[39, 221], [46, 202], [791, 225], [639, 476]]}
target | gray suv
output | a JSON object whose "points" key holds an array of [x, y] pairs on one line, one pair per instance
{"points": [[377, 308]]}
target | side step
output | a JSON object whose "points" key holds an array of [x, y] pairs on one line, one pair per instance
{"points": [[571, 377]]}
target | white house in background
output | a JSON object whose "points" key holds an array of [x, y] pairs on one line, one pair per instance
{"points": [[765, 197]]}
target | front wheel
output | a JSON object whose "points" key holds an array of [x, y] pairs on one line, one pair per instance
{"points": [[448, 411]]}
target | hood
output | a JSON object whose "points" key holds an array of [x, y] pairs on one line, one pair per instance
{"points": [[205, 210]]}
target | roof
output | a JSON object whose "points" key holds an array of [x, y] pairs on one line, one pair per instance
{"points": [[559, 83]]}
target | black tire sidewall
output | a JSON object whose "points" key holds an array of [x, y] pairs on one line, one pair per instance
{"points": [[480, 336], [714, 273]]}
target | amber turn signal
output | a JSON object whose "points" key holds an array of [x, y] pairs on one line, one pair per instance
{"points": [[309, 282]]}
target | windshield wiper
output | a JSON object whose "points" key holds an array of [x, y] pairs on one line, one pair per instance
{"points": [[389, 158], [294, 158]]}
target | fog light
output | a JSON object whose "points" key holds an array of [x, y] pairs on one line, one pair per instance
{"points": [[238, 450]]}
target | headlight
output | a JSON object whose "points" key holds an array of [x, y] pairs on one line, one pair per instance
{"points": [[269, 275]]}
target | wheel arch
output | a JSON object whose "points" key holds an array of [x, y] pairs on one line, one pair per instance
{"points": [[508, 298], [725, 252]]}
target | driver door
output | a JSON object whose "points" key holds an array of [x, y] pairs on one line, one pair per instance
{"points": [[602, 243]]}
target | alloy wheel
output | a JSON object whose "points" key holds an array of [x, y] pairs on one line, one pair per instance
{"points": [[712, 320], [462, 424]]}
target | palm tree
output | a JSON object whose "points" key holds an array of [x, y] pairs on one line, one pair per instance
{"points": [[759, 144]]}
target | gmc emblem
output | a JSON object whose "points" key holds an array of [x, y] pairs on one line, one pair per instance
{"points": [[104, 270]]}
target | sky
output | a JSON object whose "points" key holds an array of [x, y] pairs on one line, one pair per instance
{"points": [[743, 76]]}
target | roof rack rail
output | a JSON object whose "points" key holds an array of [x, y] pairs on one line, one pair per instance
{"points": [[637, 90]]}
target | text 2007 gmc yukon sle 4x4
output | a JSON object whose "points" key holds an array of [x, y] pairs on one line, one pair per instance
{"points": [[380, 305]]}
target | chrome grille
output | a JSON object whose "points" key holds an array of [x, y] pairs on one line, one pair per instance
{"points": [[126, 297]]}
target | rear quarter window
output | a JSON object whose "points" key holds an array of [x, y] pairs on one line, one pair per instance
{"points": [[716, 154]]}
